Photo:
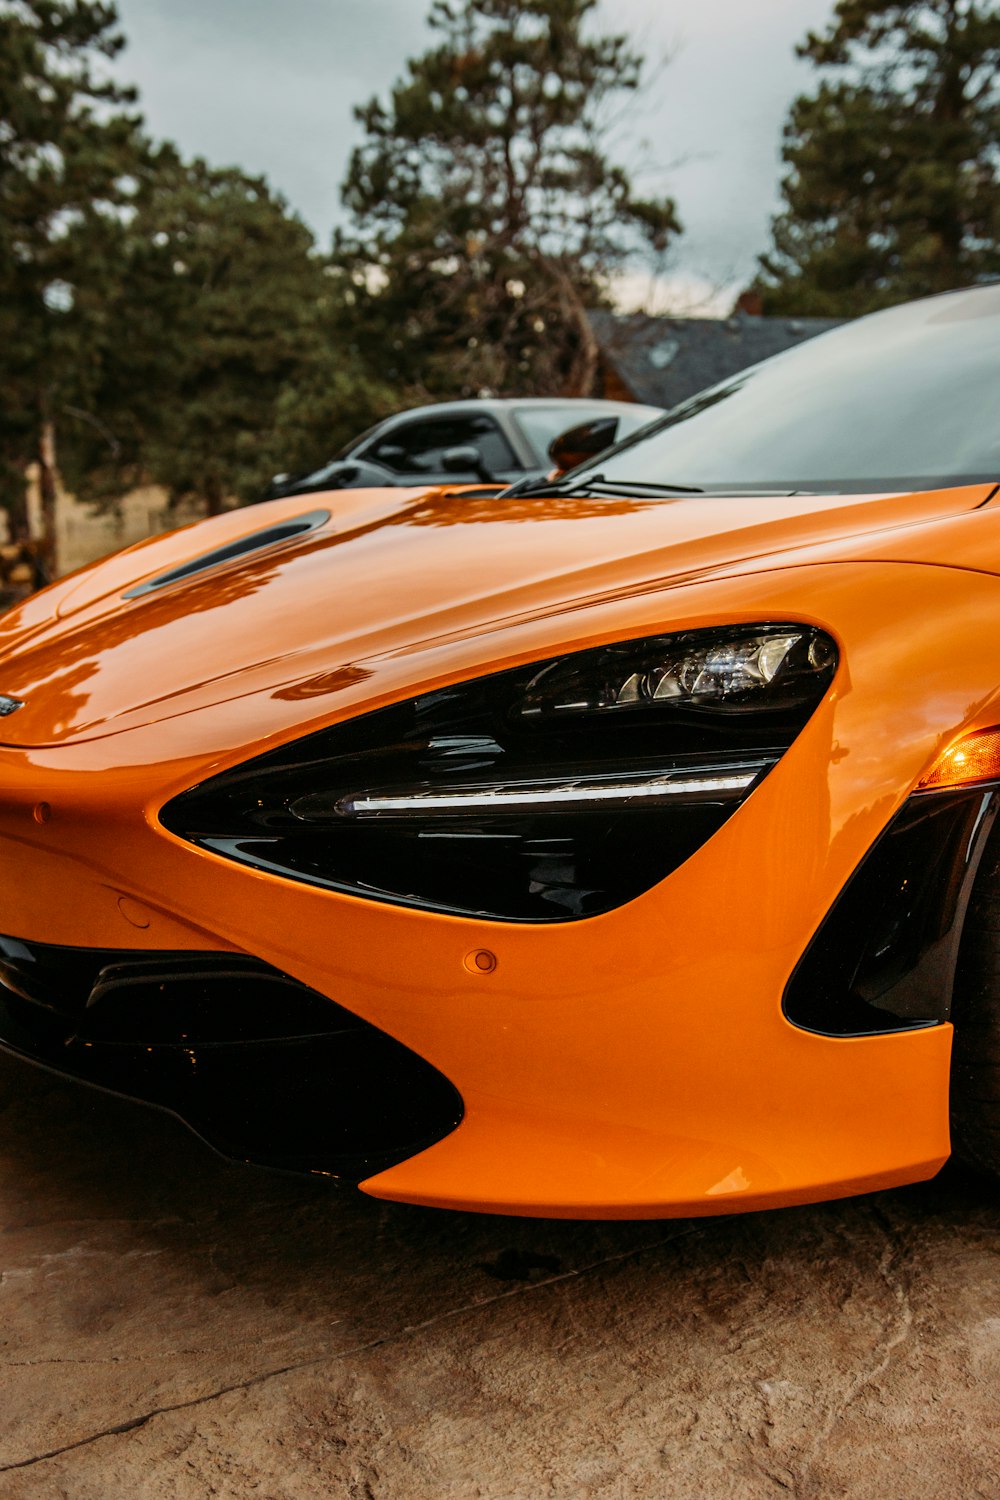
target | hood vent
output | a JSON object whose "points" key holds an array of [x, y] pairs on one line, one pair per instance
{"points": [[257, 541]]}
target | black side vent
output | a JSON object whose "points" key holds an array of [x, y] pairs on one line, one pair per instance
{"points": [[884, 957], [257, 541]]}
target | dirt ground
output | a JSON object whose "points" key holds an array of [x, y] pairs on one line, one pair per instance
{"points": [[174, 1327]]}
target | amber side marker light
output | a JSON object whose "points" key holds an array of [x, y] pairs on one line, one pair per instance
{"points": [[976, 757]]}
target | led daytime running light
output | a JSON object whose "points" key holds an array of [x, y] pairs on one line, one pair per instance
{"points": [[723, 783]]}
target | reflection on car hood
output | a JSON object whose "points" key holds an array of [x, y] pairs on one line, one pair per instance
{"points": [[387, 571]]}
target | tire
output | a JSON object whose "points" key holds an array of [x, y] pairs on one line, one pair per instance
{"points": [[975, 1058]]}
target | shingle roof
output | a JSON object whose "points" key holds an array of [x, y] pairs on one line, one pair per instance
{"points": [[665, 360]]}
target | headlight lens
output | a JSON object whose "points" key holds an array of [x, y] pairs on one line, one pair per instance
{"points": [[761, 669], [549, 792]]}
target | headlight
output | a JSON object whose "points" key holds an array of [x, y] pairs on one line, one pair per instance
{"points": [[549, 792], [764, 669]]}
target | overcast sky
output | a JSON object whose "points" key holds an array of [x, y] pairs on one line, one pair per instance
{"points": [[269, 85]]}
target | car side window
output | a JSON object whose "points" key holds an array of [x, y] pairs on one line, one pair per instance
{"points": [[418, 447]]}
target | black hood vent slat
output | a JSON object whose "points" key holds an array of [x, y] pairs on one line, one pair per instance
{"points": [[257, 541]]}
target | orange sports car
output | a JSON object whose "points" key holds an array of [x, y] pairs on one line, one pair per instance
{"points": [[621, 846]]}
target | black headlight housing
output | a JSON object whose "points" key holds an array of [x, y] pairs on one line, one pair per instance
{"points": [[548, 792]]}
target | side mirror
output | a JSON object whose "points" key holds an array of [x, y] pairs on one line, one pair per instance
{"points": [[464, 460], [584, 441]]}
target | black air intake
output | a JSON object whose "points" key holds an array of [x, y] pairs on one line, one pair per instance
{"points": [[266, 1069]]}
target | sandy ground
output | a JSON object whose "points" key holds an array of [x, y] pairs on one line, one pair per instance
{"points": [[173, 1327]]}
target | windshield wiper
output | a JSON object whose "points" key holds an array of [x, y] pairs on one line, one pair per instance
{"points": [[597, 485]]}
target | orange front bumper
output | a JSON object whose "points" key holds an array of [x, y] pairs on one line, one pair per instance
{"points": [[632, 1064]]}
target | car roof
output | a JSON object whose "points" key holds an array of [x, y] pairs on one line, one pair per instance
{"points": [[518, 403]]}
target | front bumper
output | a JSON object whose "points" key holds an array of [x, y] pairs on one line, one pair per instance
{"points": [[633, 1064]]}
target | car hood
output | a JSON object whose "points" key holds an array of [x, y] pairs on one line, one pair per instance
{"points": [[379, 571]]}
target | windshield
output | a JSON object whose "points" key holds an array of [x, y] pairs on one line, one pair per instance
{"points": [[903, 399]]}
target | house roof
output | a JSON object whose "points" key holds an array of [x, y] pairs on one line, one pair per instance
{"points": [[664, 360]]}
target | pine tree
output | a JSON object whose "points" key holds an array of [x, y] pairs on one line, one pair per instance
{"points": [[488, 213], [894, 183], [70, 152], [216, 306]]}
